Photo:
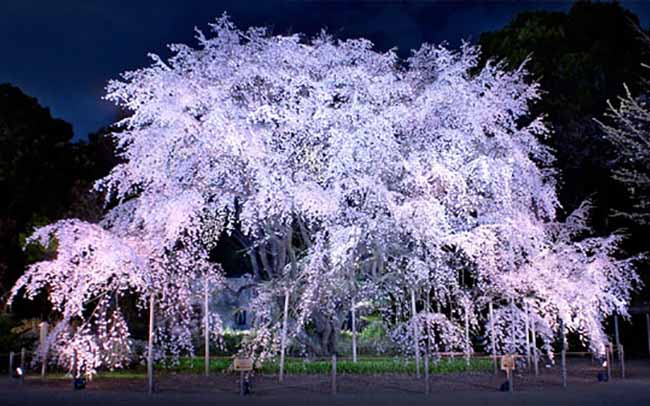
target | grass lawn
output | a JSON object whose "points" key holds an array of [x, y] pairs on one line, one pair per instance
{"points": [[299, 366], [370, 366]]}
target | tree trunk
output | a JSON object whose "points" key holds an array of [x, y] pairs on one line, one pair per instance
{"points": [[264, 259]]}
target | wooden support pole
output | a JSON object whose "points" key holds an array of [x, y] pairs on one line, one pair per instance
{"points": [[150, 345], [527, 327], [11, 364], [492, 339], [621, 358], [416, 335], [563, 353], [44, 365], [467, 342], [534, 342], [75, 365], [617, 337], [647, 329], [354, 332], [22, 359], [90, 377], [428, 332], [511, 380], [427, 388], [513, 329], [206, 326], [436, 359], [334, 374], [43, 327], [283, 342]]}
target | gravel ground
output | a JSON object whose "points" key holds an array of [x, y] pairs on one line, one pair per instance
{"points": [[457, 389]]}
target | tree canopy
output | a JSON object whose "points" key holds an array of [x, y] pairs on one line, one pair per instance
{"points": [[354, 176]]}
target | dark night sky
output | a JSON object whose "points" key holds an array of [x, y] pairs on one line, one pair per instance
{"points": [[63, 52]]}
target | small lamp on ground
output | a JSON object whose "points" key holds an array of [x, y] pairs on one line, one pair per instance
{"points": [[79, 383], [248, 385], [19, 374], [603, 376]]}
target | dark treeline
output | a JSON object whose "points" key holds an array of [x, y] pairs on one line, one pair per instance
{"points": [[44, 175], [581, 58]]}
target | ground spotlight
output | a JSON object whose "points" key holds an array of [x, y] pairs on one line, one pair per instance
{"points": [[602, 375], [79, 383], [18, 373]]}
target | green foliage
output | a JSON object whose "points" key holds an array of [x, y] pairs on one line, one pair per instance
{"points": [[370, 366], [197, 364], [296, 366], [231, 342], [364, 366], [374, 330], [16, 334], [36, 252], [372, 339]]}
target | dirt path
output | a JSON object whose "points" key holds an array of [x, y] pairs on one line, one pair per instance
{"points": [[455, 389]]}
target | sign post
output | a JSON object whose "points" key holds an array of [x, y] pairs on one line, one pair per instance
{"points": [[242, 365], [508, 365]]}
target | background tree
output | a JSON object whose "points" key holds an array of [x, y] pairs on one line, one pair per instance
{"points": [[627, 127], [38, 166], [44, 175], [581, 59]]}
